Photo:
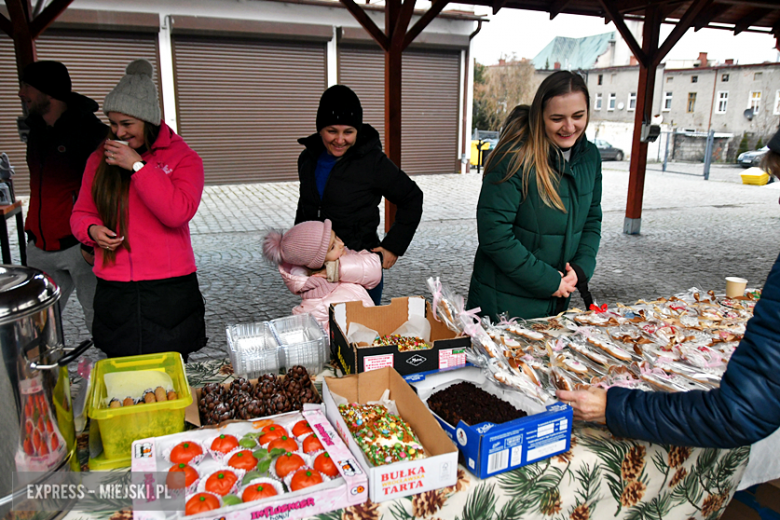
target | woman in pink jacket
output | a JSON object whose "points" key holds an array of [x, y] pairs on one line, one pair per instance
{"points": [[140, 190], [316, 266]]}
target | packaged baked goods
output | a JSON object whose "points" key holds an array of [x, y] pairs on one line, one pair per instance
{"points": [[383, 436]]}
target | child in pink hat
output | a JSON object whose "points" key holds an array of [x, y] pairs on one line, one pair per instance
{"points": [[315, 265]]}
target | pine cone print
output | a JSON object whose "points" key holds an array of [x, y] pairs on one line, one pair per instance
{"points": [[460, 485], [711, 504], [564, 458], [122, 514], [551, 502], [581, 512], [633, 493], [365, 511], [678, 455], [426, 504], [226, 369], [678, 476], [633, 463]]}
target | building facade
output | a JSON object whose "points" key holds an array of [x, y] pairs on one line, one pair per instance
{"points": [[733, 100], [241, 81]]}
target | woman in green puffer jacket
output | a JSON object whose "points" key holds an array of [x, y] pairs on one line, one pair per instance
{"points": [[539, 212]]}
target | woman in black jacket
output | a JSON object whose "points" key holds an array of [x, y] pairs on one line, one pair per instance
{"points": [[344, 174]]}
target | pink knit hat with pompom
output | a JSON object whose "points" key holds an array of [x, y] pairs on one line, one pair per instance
{"points": [[305, 244]]}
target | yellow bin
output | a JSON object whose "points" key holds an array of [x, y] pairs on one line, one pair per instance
{"points": [[755, 176], [119, 427]]}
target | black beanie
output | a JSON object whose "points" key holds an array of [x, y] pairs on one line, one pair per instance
{"points": [[339, 106], [50, 77], [774, 143]]}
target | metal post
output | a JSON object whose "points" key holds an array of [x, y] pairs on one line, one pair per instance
{"points": [[708, 154], [666, 151], [479, 156]]}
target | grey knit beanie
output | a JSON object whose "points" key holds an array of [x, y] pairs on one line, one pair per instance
{"points": [[135, 95]]}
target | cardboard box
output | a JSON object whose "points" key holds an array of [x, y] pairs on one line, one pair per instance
{"points": [[447, 349], [490, 449], [439, 469], [149, 463]]}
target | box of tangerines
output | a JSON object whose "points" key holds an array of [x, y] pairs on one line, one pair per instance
{"points": [[291, 465]]}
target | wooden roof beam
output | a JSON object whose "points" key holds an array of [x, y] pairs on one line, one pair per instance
{"points": [[47, 16], [709, 15], [498, 4], [6, 26], [696, 7], [368, 24], [402, 24], [436, 7], [617, 19], [557, 6], [752, 17]]}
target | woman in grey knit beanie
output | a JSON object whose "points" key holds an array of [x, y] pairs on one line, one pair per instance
{"points": [[140, 190]]}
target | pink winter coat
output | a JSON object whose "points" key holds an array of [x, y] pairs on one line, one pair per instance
{"points": [[164, 196], [358, 271]]}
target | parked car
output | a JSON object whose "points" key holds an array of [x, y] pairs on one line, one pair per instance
{"points": [[752, 158], [608, 151]]}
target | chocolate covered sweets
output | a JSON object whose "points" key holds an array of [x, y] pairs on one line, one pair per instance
{"points": [[466, 402], [384, 437]]}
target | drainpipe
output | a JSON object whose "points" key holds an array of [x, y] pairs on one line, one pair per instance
{"points": [[465, 145]]}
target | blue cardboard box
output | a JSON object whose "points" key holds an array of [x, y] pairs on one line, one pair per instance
{"points": [[489, 449]]}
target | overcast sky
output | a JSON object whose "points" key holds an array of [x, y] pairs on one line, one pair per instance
{"points": [[525, 33]]}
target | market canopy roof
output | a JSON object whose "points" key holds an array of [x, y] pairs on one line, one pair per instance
{"points": [[735, 15]]}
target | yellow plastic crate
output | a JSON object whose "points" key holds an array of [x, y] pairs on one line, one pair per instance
{"points": [[755, 176], [119, 427]]}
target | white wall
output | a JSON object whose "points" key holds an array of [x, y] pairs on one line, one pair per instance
{"points": [[620, 135]]}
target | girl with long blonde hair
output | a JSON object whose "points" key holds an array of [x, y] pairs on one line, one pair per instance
{"points": [[539, 211]]}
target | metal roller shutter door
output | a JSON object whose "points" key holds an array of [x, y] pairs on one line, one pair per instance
{"points": [[242, 104], [429, 141], [96, 62]]}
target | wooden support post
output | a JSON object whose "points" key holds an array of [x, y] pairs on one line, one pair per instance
{"points": [[393, 63], [644, 108]]}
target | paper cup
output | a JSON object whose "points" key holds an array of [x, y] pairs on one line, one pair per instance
{"points": [[735, 287]]}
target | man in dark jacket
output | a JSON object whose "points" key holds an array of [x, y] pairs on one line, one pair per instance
{"points": [[64, 131]]}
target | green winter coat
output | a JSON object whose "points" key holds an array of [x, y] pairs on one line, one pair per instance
{"points": [[525, 244]]}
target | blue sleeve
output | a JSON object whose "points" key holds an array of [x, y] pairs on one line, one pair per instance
{"points": [[746, 407]]}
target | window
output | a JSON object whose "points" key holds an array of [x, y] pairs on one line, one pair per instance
{"points": [[598, 102], [694, 79], [723, 102], [669, 79], [691, 102], [724, 78], [757, 76], [601, 79], [611, 105], [777, 103], [631, 102], [667, 106], [754, 101]]}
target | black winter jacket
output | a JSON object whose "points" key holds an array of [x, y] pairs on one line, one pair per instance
{"points": [[354, 189], [746, 407], [56, 156]]}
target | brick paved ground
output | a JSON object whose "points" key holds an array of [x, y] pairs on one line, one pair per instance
{"points": [[694, 233]]}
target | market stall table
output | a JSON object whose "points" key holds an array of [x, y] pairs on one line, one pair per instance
{"points": [[600, 477]]}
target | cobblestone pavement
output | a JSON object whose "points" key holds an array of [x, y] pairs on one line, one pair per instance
{"points": [[694, 233]]}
